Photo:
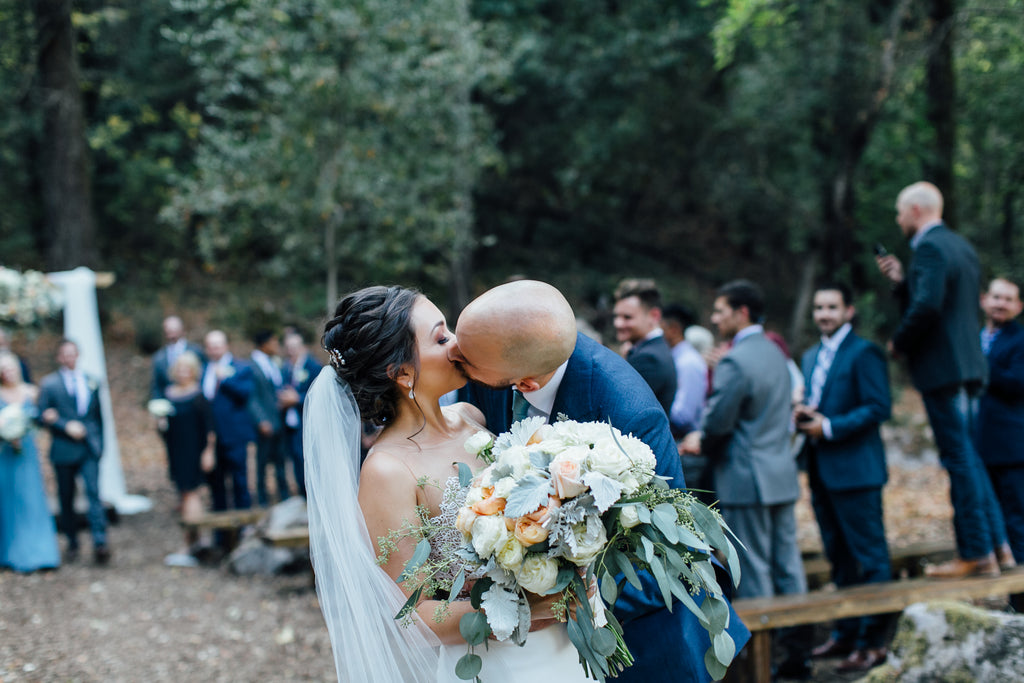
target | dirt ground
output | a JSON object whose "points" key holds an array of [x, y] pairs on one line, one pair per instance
{"points": [[138, 620]]}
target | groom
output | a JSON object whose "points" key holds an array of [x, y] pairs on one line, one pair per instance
{"points": [[523, 335]]}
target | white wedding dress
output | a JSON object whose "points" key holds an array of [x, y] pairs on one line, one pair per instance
{"points": [[359, 600], [548, 654]]}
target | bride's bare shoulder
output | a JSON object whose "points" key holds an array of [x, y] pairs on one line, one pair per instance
{"points": [[470, 414], [385, 466]]}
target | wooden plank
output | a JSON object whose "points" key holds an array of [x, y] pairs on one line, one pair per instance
{"points": [[228, 519], [819, 606], [297, 537]]}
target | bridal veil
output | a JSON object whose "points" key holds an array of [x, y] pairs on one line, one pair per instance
{"points": [[358, 598]]}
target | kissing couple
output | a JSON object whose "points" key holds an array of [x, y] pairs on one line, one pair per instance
{"points": [[393, 357]]}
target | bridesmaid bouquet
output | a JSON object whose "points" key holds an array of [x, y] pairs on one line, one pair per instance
{"points": [[14, 425], [576, 509]]}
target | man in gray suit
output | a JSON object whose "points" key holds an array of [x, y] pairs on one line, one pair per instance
{"points": [[638, 325], [938, 336], [266, 415], [745, 434], [69, 405]]}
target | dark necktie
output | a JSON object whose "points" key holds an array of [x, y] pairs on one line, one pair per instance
{"points": [[520, 406]]}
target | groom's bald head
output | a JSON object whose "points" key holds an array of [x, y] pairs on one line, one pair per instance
{"points": [[519, 330]]}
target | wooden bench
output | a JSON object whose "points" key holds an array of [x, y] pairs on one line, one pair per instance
{"points": [[761, 615], [295, 537], [229, 521]]}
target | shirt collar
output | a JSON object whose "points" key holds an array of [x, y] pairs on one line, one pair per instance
{"points": [[543, 399], [924, 230], [746, 332], [833, 342], [654, 334]]}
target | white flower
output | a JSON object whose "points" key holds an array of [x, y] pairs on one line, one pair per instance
{"points": [[516, 457], [629, 516], [160, 407], [477, 443], [503, 487], [14, 423], [590, 539], [489, 534], [510, 554], [538, 573]]}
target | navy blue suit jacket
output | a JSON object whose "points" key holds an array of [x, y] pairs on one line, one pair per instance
{"points": [[231, 418], [652, 358], [856, 401], [599, 386], [1000, 425], [938, 332]]}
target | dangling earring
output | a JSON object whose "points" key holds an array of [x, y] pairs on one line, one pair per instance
{"points": [[412, 396]]}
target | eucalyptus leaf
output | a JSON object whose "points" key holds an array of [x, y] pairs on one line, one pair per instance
{"points": [[465, 474], [419, 556], [609, 588], [715, 668], [604, 642], [708, 523], [473, 627], [688, 538], [724, 646], [468, 667], [664, 517], [717, 611], [644, 513], [457, 584], [627, 569], [658, 569], [476, 594], [410, 603]]}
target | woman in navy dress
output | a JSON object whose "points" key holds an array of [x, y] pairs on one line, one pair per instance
{"points": [[28, 533], [188, 431]]}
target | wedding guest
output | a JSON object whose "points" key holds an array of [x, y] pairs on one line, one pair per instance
{"points": [[847, 401], [300, 370], [227, 385], [5, 345], [638, 328], [175, 344], [938, 337], [266, 415], [999, 431], [69, 404], [28, 537], [190, 439]]}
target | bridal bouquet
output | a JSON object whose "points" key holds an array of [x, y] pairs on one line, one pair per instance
{"points": [[14, 424], [27, 298], [576, 509]]}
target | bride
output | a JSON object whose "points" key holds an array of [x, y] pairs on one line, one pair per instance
{"points": [[389, 366]]}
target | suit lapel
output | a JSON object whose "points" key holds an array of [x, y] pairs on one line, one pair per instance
{"points": [[834, 368]]}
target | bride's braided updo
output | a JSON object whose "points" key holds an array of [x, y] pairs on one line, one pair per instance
{"points": [[369, 337]]}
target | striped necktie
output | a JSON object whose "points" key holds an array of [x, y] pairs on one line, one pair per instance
{"points": [[520, 406], [820, 374]]}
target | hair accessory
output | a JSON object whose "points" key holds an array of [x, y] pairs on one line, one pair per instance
{"points": [[337, 359]]}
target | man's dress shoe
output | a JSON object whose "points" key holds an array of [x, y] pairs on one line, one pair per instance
{"points": [[862, 660], [960, 569], [832, 648]]}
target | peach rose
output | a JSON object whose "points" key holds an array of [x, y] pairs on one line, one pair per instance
{"points": [[529, 532], [566, 475], [542, 514], [490, 505]]}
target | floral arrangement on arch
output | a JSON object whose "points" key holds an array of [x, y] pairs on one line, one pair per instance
{"points": [[27, 298], [576, 509]]}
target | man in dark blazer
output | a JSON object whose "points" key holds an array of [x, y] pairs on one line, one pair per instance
{"points": [[69, 406], [999, 433], [745, 436], [175, 344], [268, 381], [227, 384], [847, 399], [300, 370], [638, 326], [523, 334], [938, 336]]}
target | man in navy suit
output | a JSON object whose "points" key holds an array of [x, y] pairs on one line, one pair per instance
{"points": [[299, 372], [638, 325], [847, 400], [523, 334], [938, 335], [175, 344], [69, 406], [268, 381], [227, 385], [999, 431]]}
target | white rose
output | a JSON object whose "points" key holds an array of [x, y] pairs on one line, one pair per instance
{"points": [[538, 573], [516, 457], [629, 516], [478, 442], [464, 521], [590, 539], [510, 555], [504, 486], [474, 495], [608, 459], [489, 534]]}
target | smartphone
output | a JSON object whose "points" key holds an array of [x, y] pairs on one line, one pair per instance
{"points": [[880, 250]]}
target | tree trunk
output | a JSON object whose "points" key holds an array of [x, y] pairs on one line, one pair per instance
{"points": [[941, 88], [64, 155]]}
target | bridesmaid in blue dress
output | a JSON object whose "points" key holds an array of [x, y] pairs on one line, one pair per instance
{"points": [[28, 533]]}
